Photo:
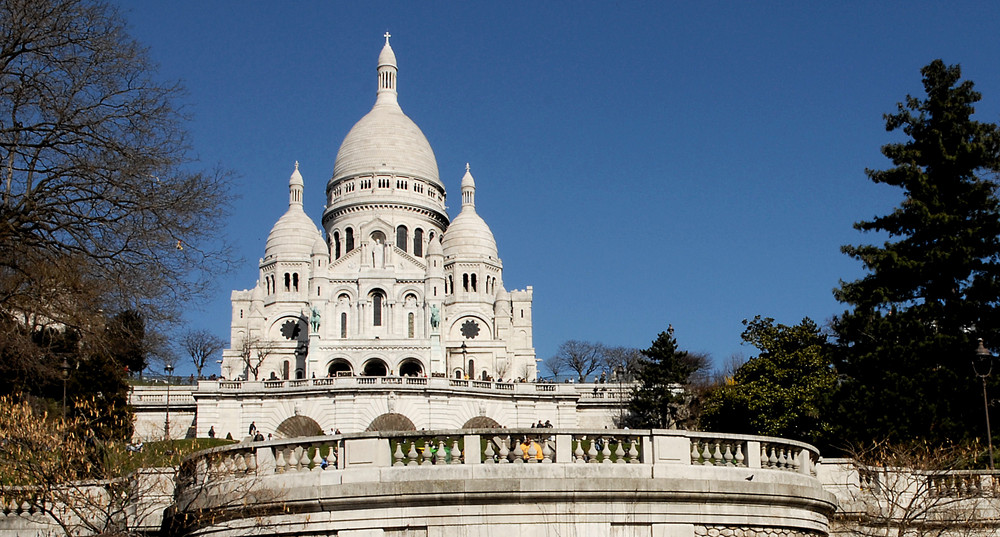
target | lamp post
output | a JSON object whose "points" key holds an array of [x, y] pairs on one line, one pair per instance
{"points": [[166, 423], [65, 376], [465, 361], [983, 367]]}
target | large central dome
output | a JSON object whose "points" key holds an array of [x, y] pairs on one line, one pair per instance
{"points": [[386, 140]]}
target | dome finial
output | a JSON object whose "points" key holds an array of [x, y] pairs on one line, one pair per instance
{"points": [[468, 190], [387, 36], [295, 185]]}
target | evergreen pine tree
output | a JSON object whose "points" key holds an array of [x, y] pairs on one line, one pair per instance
{"points": [[906, 344], [661, 398]]}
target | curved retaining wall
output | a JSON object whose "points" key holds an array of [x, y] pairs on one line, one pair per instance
{"points": [[524, 482]]}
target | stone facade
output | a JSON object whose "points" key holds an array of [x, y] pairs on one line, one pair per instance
{"points": [[395, 287], [356, 404]]}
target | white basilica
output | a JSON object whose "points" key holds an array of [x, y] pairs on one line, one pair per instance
{"points": [[394, 289]]}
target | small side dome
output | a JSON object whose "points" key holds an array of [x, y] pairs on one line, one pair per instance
{"points": [[319, 247], [294, 234], [434, 247], [468, 235]]}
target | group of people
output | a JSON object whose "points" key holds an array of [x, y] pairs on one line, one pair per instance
{"points": [[540, 425], [256, 435]]}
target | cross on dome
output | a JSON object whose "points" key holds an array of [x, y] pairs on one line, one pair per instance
{"points": [[387, 36]]}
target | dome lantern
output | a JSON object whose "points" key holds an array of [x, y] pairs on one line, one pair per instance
{"points": [[387, 70]]}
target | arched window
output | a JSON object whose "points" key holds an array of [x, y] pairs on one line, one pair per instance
{"points": [[284, 370], [465, 282], [377, 308], [472, 369], [378, 236], [343, 325], [349, 240], [458, 373], [473, 282], [418, 242], [288, 279], [401, 237], [409, 325], [336, 245], [295, 281]]}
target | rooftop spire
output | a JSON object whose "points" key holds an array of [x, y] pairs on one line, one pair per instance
{"points": [[468, 190], [386, 74], [295, 185]]}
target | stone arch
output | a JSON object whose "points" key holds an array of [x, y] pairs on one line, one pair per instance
{"points": [[296, 426], [391, 422], [411, 367], [352, 295], [339, 367], [402, 291], [375, 367], [481, 422]]}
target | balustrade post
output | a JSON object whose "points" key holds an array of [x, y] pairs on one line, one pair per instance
{"points": [[646, 454], [473, 449], [365, 452], [805, 462], [265, 461], [753, 454], [564, 448]]}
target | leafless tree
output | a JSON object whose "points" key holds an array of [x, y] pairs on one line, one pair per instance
{"points": [[502, 367], [201, 345], [100, 210], [582, 357], [254, 351], [622, 363], [554, 365], [102, 492], [75, 484], [916, 491]]}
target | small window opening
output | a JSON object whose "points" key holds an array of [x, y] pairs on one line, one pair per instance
{"points": [[377, 309]]}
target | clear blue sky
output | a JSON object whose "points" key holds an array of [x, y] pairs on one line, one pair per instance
{"points": [[640, 164]]}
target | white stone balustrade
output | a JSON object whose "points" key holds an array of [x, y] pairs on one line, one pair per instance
{"points": [[503, 446], [444, 482]]}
